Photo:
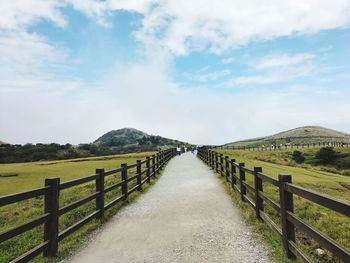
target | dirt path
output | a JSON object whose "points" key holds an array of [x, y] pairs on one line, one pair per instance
{"points": [[186, 217]]}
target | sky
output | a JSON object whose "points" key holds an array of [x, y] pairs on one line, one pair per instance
{"points": [[205, 72]]}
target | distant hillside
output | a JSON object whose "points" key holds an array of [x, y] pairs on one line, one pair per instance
{"points": [[129, 137], [114, 142], [302, 135], [1, 142]]}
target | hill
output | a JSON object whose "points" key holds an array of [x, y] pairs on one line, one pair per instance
{"points": [[301, 135], [1, 142], [120, 141], [133, 138]]}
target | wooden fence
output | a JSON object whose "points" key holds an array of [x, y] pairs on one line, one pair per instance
{"points": [[284, 146], [53, 211], [235, 174]]}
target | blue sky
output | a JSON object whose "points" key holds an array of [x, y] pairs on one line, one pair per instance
{"points": [[202, 72]]}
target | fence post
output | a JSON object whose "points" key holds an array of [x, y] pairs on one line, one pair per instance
{"points": [[217, 162], [221, 164], [148, 172], [139, 176], [258, 183], [154, 166], [212, 160], [233, 172], [100, 198], [124, 178], [157, 161], [51, 207], [286, 203], [209, 158], [242, 179], [227, 168]]}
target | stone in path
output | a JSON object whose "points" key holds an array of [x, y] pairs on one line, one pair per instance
{"points": [[185, 217]]}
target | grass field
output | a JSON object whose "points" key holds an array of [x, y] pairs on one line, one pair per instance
{"points": [[335, 185], [32, 175]]}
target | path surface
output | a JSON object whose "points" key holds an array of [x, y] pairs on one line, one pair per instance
{"points": [[185, 217]]}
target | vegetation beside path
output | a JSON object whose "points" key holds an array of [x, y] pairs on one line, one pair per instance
{"points": [[312, 158]]}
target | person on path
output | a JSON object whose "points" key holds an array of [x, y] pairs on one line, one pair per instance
{"points": [[178, 150]]}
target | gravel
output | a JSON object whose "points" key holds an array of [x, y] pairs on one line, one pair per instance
{"points": [[186, 217]]}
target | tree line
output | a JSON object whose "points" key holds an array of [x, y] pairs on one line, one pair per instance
{"points": [[14, 153]]}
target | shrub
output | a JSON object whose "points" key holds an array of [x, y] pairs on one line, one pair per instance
{"points": [[326, 155], [298, 157], [343, 163]]}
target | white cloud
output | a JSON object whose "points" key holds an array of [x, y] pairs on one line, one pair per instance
{"points": [[283, 60], [183, 26], [210, 76], [228, 60], [16, 14], [92, 8], [279, 68], [25, 54], [139, 6]]}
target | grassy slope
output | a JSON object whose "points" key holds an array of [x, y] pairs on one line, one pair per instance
{"points": [[301, 135], [31, 175], [338, 186]]}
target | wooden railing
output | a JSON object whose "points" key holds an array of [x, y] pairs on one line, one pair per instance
{"points": [[53, 211], [235, 173]]}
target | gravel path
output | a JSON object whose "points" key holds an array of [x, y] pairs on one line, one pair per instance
{"points": [[185, 217]]}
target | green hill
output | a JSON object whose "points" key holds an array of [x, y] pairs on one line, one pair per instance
{"points": [[120, 141], [301, 135], [132, 138]]}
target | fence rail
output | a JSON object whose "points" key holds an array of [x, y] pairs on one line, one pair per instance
{"points": [[235, 173], [53, 211]]}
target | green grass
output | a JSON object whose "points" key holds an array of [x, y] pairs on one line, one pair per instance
{"points": [[325, 220], [32, 175]]}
